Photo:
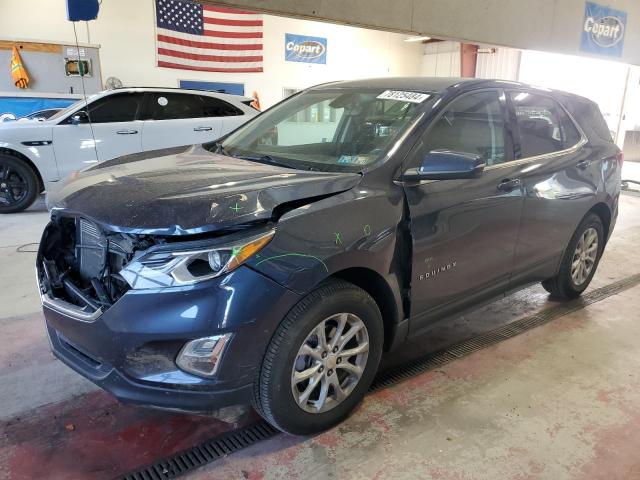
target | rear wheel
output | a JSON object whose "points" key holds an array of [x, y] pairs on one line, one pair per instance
{"points": [[321, 360], [580, 260], [19, 185]]}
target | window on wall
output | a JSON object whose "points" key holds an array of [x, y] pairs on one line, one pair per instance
{"points": [[317, 113], [472, 124], [543, 124], [287, 92]]}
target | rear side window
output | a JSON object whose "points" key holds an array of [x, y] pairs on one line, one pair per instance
{"points": [[543, 124], [173, 106], [588, 114], [473, 124], [215, 107], [120, 107]]}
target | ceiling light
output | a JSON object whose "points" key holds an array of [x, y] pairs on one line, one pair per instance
{"points": [[417, 39]]}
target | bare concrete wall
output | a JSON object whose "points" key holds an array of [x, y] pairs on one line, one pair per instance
{"points": [[549, 25]]}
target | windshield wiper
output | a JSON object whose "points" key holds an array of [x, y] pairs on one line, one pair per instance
{"points": [[268, 159], [220, 149]]}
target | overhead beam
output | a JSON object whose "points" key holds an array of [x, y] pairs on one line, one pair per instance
{"points": [[548, 25]]}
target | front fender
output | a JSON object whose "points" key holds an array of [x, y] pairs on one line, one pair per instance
{"points": [[355, 229], [42, 157]]}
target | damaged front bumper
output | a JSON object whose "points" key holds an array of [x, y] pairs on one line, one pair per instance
{"points": [[130, 347]]}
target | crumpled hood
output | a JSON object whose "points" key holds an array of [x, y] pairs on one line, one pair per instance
{"points": [[188, 190]]}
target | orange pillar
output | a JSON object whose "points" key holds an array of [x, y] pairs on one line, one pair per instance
{"points": [[468, 58]]}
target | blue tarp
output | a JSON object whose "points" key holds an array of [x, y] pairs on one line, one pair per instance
{"points": [[12, 108]]}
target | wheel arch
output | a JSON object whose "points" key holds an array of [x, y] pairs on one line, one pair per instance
{"points": [[375, 285], [602, 210], [26, 160]]}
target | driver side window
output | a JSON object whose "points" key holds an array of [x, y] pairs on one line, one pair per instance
{"points": [[473, 124]]}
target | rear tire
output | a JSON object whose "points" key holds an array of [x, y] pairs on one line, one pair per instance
{"points": [[580, 260], [19, 185], [305, 386]]}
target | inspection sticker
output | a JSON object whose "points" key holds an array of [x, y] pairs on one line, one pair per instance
{"points": [[413, 97]]}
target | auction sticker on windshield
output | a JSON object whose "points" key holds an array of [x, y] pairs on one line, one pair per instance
{"points": [[413, 97]]}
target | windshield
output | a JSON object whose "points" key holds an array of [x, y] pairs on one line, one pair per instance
{"points": [[327, 130]]}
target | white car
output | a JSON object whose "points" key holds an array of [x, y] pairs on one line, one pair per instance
{"points": [[36, 154]]}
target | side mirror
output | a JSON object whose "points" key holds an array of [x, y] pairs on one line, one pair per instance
{"points": [[446, 165], [79, 117]]}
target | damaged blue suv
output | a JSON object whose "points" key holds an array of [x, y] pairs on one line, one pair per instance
{"points": [[275, 265]]}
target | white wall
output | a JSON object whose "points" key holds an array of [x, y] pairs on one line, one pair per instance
{"points": [[441, 59], [503, 63], [600, 80], [125, 31]]}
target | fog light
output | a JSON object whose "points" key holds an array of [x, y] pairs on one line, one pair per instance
{"points": [[202, 356]]}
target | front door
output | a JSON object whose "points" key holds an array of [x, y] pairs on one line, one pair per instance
{"points": [[464, 232], [74, 147], [113, 131]]}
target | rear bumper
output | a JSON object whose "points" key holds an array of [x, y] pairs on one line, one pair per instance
{"points": [[130, 350]]}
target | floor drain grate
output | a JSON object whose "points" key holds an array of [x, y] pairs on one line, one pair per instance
{"points": [[205, 453], [230, 442], [492, 337]]}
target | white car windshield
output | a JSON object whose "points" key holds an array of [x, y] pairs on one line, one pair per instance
{"points": [[326, 130]]}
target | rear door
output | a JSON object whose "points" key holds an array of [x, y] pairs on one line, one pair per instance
{"points": [[464, 231], [176, 119], [231, 117], [560, 179]]}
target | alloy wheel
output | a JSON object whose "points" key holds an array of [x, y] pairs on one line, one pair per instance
{"points": [[330, 363], [584, 256], [13, 186]]}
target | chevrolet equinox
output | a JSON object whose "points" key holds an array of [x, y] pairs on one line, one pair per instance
{"points": [[277, 264]]}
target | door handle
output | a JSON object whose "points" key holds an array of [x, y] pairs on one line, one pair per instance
{"points": [[127, 132], [508, 185], [202, 129], [583, 164]]}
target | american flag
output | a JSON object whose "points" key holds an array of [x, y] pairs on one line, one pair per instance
{"points": [[192, 36]]}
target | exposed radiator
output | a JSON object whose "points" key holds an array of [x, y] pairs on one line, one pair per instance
{"points": [[90, 249]]}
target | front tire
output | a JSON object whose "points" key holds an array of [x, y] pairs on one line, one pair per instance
{"points": [[19, 185], [321, 360], [580, 260]]}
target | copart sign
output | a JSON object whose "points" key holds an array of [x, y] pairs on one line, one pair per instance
{"points": [[603, 30], [300, 48]]}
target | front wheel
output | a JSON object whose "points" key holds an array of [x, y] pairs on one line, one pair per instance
{"points": [[580, 260], [19, 186], [321, 360]]}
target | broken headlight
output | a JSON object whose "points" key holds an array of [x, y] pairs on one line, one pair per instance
{"points": [[172, 267]]}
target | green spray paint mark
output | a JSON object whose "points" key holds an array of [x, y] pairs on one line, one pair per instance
{"points": [[276, 257], [236, 208], [367, 230], [235, 251], [337, 238]]}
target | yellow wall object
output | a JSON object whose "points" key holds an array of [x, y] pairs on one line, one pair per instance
{"points": [[18, 72]]}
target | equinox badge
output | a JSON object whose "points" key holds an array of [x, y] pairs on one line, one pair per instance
{"points": [[436, 271]]}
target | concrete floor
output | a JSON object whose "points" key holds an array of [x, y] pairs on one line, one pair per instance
{"points": [[561, 401]]}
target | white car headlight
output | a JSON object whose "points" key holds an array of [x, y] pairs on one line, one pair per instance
{"points": [[167, 267]]}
